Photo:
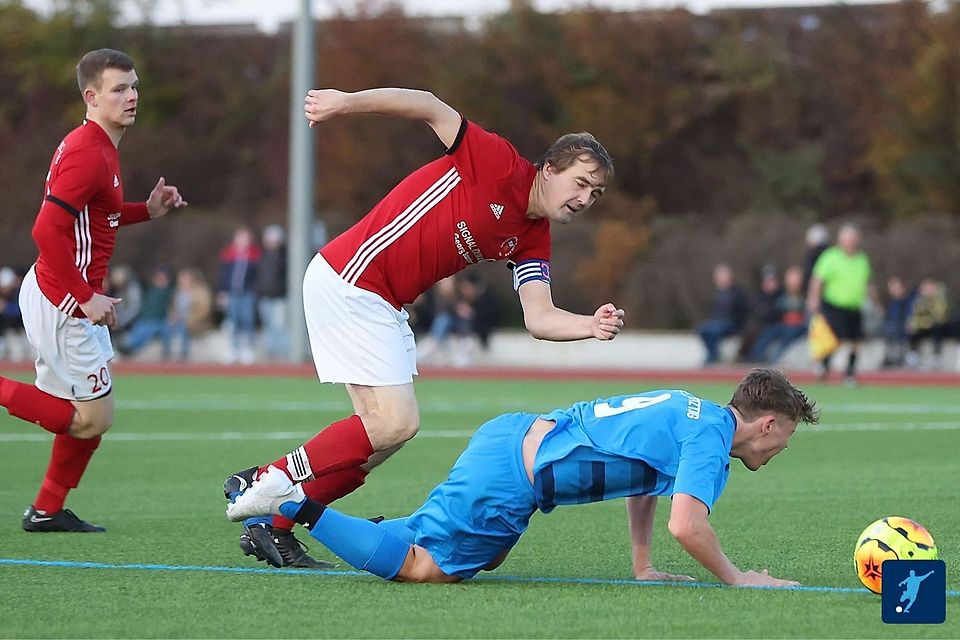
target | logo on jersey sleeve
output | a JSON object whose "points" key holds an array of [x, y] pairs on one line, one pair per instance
{"points": [[497, 210], [114, 219], [116, 181]]}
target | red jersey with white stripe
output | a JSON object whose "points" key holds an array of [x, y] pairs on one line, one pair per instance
{"points": [[466, 207], [82, 208]]}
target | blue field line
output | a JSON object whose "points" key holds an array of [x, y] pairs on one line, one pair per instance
{"points": [[69, 564]]}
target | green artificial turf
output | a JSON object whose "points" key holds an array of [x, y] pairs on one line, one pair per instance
{"points": [[156, 484]]}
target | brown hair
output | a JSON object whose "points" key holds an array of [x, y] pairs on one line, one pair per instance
{"points": [[569, 148], [91, 66], [768, 390]]}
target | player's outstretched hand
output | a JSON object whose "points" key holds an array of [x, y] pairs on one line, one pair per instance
{"points": [[163, 198], [323, 104], [99, 310], [649, 573], [607, 322], [763, 579]]}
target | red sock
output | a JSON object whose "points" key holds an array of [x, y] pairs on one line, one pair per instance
{"points": [[28, 403], [326, 489], [342, 445], [68, 461]]}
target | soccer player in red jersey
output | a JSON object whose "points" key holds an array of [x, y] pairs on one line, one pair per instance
{"points": [[480, 202], [65, 312]]}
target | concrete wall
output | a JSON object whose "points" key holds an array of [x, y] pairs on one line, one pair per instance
{"points": [[630, 350], [643, 350]]}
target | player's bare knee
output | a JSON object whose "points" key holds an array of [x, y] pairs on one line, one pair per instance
{"points": [[407, 427], [90, 427], [91, 419], [420, 567], [388, 430], [428, 572]]}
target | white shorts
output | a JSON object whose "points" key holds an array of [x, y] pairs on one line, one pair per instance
{"points": [[72, 353], [356, 336]]}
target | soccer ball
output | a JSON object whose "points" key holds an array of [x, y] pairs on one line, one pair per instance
{"points": [[891, 538]]}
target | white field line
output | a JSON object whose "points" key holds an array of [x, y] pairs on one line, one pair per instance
{"points": [[226, 436], [491, 405], [222, 436]]}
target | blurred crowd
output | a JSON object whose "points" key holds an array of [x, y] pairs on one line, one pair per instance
{"points": [[248, 303], [453, 321], [913, 319], [173, 308]]}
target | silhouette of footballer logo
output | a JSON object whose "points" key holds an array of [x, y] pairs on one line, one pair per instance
{"points": [[910, 593], [914, 592]]}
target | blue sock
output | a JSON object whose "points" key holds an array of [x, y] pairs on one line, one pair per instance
{"points": [[292, 510], [362, 544], [399, 528]]}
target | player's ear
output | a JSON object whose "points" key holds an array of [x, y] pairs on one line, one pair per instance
{"points": [[766, 423]]}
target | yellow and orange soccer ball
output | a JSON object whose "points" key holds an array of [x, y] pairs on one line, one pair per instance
{"points": [[890, 538]]}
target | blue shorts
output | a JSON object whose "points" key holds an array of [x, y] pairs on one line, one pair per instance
{"points": [[485, 503]]}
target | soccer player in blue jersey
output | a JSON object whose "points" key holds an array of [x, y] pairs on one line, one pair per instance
{"points": [[658, 443]]}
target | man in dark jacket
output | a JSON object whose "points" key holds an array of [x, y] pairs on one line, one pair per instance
{"points": [[271, 290], [727, 314]]}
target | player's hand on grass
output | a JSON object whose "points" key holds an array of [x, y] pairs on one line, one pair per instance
{"points": [[762, 579], [163, 198], [323, 104], [607, 322], [649, 573], [99, 310]]}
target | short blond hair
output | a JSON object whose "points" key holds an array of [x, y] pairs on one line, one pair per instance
{"points": [[571, 147], [768, 390]]}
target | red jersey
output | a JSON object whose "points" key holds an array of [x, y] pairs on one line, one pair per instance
{"points": [[466, 207], [82, 208]]}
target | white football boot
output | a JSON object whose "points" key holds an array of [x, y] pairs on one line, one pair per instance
{"points": [[265, 496]]}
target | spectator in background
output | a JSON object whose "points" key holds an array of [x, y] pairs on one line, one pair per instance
{"points": [[12, 338], [122, 283], [790, 307], [421, 313], [839, 288], [443, 297], [271, 291], [817, 239], [190, 311], [444, 309], [763, 311], [151, 323], [727, 313], [236, 294], [895, 315], [484, 308], [10, 317], [929, 318]]}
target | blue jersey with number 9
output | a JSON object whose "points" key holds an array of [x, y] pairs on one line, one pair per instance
{"points": [[654, 443]]}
